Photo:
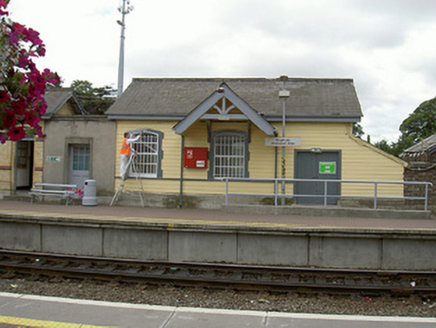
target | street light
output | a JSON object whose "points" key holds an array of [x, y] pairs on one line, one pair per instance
{"points": [[124, 11], [283, 95]]}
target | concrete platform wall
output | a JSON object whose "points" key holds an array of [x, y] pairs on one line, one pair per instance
{"points": [[169, 242]]}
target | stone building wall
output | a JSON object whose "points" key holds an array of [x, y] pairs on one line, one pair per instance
{"points": [[422, 168]]}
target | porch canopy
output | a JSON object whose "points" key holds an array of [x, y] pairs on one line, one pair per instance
{"points": [[225, 105]]}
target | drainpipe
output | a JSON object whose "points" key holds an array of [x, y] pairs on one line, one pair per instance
{"points": [[181, 172], [283, 94]]}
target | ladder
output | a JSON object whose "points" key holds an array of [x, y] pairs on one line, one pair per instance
{"points": [[130, 163]]}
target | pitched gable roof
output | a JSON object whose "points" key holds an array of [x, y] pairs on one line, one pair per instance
{"points": [[56, 98], [310, 99], [427, 145], [224, 93]]}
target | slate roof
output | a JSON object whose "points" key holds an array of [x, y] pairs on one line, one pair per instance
{"points": [[310, 99], [56, 98], [424, 146]]}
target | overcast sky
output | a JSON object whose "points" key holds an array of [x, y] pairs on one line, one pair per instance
{"points": [[387, 47]]}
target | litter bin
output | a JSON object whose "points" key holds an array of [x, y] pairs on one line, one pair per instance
{"points": [[89, 193]]}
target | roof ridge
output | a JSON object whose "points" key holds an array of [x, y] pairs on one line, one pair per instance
{"points": [[230, 79]]}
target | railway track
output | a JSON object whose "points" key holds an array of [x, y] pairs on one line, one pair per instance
{"points": [[222, 275]]}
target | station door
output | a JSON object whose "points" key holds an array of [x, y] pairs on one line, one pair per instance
{"points": [[79, 165], [317, 165], [24, 164]]}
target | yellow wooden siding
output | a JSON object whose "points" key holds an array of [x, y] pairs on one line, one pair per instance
{"points": [[262, 158], [5, 153], [153, 185], [6, 165], [171, 144], [261, 164], [38, 160], [360, 161]]}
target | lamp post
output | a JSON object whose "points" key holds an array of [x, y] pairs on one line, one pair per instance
{"points": [[124, 11], [283, 95]]}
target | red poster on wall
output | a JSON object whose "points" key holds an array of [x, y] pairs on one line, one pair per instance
{"points": [[195, 157]]}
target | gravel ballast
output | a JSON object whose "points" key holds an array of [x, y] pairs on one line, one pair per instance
{"points": [[290, 301]]}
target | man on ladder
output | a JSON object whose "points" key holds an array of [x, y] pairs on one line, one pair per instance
{"points": [[127, 158], [125, 153]]}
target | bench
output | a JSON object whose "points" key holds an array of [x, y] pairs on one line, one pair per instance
{"points": [[66, 191]]}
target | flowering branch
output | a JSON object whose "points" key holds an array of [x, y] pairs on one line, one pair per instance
{"points": [[22, 85]]}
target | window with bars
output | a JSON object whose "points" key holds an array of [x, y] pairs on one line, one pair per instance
{"points": [[147, 160], [229, 155]]}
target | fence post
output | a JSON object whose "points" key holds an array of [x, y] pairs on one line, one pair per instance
{"points": [[325, 193], [426, 197], [227, 192], [375, 195], [275, 193]]}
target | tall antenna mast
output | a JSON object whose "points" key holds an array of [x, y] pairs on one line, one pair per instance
{"points": [[124, 10]]}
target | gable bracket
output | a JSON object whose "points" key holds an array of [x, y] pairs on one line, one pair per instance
{"points": [[223, 110]]}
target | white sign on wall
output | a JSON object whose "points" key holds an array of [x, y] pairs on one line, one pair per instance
{"points": [[283, 142], [56, 159]]}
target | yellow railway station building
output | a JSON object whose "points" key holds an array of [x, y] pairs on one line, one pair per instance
{"points": [[203, 137]]}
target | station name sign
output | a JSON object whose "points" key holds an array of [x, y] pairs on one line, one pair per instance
{"points": [[283, 142]]}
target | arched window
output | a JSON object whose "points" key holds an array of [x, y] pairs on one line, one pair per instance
{"points": [[147, 162], [229, 155]]}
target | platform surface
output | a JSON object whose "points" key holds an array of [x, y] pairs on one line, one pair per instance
{"points": [[27, 311], [213, 217]]}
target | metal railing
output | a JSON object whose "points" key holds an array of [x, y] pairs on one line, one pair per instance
{"points": [[325, 195]]}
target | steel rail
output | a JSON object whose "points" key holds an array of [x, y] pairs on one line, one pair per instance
{"points": [[230, 275]]}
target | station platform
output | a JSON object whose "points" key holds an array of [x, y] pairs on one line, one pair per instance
{"points": [[212, 217], [258, 238]]}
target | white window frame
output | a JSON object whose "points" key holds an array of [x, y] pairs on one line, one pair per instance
{"points": [[230, 155], [148, 155]]}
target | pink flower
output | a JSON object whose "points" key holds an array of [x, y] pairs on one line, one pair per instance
{"points": [[23, 85], [41, 50], [51, 77], [32, 119], [9, 120], [32, 36], [23, 60], [4, 96], [17, 30], [16, 133], [42, 108], [39, 131], [38, 80], [3, 4], [19, 106]]}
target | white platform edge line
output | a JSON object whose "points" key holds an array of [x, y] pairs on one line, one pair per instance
{"points": [[338, 317]]}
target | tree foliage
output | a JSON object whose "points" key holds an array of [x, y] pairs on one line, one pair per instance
{"points": [[395, 148], [22, 85], [94, 100], [421, 124], [358, 130]]}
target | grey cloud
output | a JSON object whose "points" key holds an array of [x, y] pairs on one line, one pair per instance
{"points": [[407, 10]]}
